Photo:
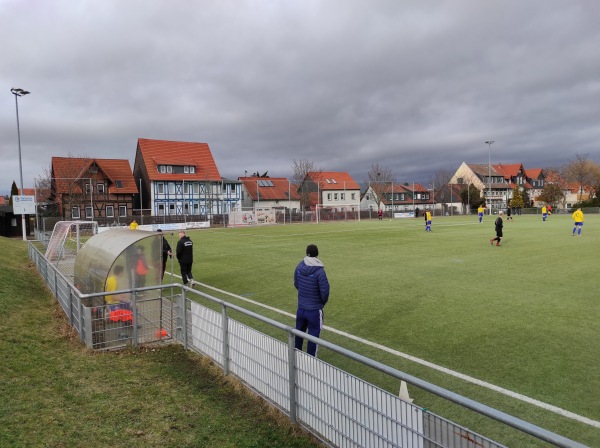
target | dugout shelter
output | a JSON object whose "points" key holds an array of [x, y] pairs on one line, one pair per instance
{"points": [[119, 259]]}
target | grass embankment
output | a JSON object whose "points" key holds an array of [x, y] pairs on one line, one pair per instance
{"points": [[56, 393]]}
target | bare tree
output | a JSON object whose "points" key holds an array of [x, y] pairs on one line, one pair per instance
{"points": [[299, 170], [554, 177], [580, 170], [380, 178], [442, 177], [43, 189]]}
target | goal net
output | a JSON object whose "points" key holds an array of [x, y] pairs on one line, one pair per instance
{"points": [[337, 212], [65, 242]]}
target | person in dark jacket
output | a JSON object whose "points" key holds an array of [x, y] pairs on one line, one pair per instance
{"points": [[166, 253], [498, 225], [311, 282], [185, 257]]}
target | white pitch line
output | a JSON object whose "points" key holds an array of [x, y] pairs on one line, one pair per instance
{"points": [[450, 372]]}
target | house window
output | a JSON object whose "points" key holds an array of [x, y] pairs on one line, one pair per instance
{"points": [[119, 183], [100, 188], [343, 196], [122, 211], [335, 196], [75, 213], [88, 213], [169, 169], [186, 188], [87, 188], [196, 188], [160, 188], [171, 187], [192, 169], [161, 209], [186, 208], [110, 211], [186, 169], [329, 196], [171, 209], [162, 169], [196, 209], [353, 196]]}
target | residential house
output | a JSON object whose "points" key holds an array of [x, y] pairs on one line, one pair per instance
{"points": [[497, 181], [572, 192], [89, 188], [333, 190], [266, 193], [448, 199], [181, 178], [535, 181], [397, 197]]}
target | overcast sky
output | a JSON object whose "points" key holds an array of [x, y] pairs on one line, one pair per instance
{"points": [[415, 86]]}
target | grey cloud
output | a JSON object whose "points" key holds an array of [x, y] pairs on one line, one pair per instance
{"points": [[414, 85]]}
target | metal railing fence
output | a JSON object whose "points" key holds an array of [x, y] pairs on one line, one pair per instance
{"points": [[336, 406]]}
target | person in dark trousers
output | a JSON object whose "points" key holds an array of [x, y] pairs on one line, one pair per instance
{"points": [[185, 257], [166, 253], [498, 224], [508, 214], [311, 282]]}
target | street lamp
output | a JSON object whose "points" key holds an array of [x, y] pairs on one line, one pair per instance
{"points": [[17, 93], [490, 143]]}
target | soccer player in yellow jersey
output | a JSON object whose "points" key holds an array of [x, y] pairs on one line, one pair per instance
{"points": [[480, 212], [112, 284], [578, 218]]}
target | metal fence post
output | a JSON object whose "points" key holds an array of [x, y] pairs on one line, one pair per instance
{"points": [[135, 319], [81, 326], [182, 324], [70, 305], [225, 331], [55, 283], [292, 375]]}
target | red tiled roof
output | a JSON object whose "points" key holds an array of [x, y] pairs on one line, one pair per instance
{"points": [[164, 152], [66, 169], [26, 191], [333, 180], [270, 188], [533, 173], [3, 200], [508, 171]]}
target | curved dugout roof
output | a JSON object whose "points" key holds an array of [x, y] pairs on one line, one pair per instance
{"points": [[123, 248]]}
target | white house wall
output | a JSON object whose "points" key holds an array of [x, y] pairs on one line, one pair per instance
{"points": [[199, 202]]}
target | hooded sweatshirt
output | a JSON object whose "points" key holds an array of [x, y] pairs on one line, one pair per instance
{"points": [[311, 282]]}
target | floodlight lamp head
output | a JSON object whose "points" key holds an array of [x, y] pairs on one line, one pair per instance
{"points": [[19, 92]]}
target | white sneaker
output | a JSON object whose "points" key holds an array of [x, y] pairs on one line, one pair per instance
{"points": [[191, 283]]}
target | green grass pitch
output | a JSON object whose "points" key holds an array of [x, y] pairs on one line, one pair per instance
{"points": [[523, 316]]}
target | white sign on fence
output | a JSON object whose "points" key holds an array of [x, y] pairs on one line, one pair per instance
{"points": [[24, 205]]}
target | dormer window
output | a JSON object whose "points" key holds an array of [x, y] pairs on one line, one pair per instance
{"points": [[119, 183], [169, 169], [192, 169], [186, 169], [162, 169]]}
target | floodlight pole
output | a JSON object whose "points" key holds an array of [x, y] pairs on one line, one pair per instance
{"points": [[490, 143], [17, 93]]}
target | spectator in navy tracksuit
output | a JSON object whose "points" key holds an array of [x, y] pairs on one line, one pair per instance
{"points": [[313, 292], [185, 256]]}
